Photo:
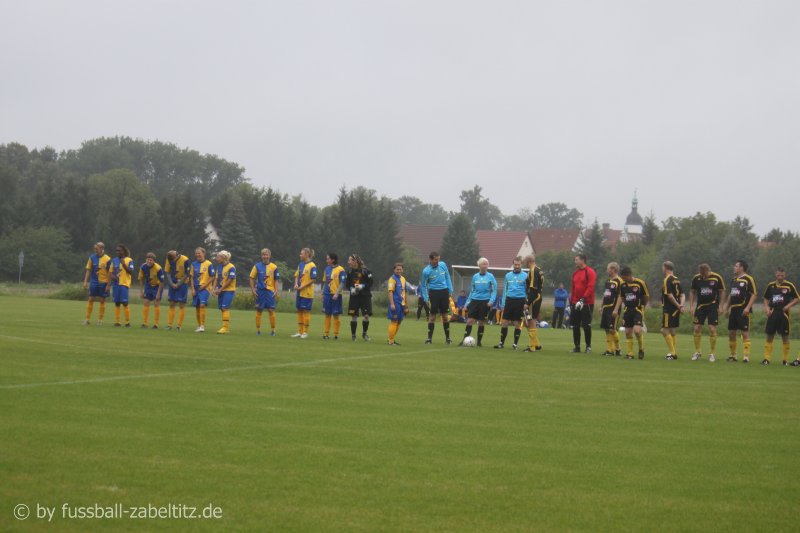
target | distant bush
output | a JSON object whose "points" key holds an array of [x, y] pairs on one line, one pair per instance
{"points": [[69, 292]]}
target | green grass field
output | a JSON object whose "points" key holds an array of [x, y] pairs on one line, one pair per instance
{"points": [[309, 435]]}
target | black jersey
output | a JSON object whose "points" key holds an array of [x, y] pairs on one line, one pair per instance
{"points": [[708, 289], [742, 289], [535, 284], [360, 277], [671, 285], [780, 294], [634, 293], [611, 291]]}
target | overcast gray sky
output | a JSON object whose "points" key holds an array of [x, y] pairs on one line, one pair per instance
{"points": [[695, 103]]}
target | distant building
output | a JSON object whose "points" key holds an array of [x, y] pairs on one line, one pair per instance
{"points": [[632, 231]]}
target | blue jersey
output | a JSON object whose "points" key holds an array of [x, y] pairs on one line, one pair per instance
{"points": [[514, 287], [560, 298], [435, 278], [483, 287]]}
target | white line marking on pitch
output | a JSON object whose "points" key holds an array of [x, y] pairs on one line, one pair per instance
{"points": [[216, 370]]}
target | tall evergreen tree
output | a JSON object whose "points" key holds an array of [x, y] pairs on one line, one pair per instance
{"points": [[591, 244], [236, 236], [459, 245], [183, 222]]}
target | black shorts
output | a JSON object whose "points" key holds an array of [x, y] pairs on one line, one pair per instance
{"points": [[439, 300], [478, 309], [633, 316], [582, 317], [607, 319], [534, 308], [514, 309], [360, 303], [670, 318], [707, 312], [777, 323], [737, 320]]}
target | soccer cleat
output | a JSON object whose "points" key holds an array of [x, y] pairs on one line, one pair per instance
{"points": [[222, 331], [448, 341], [765, 362], [296, 335], [576, 349], [304, 336], [325, 337], [272, 333], [258, 332], [629, 356], [617, 353], [117, 325], [99, 322], [641, 354], [85, 322], [745, 359], [498, 346], [696, 356], [396, 343], [785, 362], [514, 346], [588, 349], [711, 358], [200, 329], [155, 326], [428, 341], [480, 344], [670, 357], [528, 349], [167, 328], [365, 337], [335, 338], [607, 353], [354, 338], [796, 362], [144, 326], [731, 359], [177, 328], [538, 348], [128, 325]]}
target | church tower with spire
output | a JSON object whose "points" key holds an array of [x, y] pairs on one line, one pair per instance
{"points": [[633, 223]]}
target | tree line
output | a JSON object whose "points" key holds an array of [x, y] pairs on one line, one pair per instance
{"points": [[155, 196]]}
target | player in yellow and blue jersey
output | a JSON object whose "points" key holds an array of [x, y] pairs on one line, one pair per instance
{"points": [[264, 278], [202, 274], [333, 280], [304, 278], [513, 302], [96, 281], [225, 288], [151, 278], [398, 302], [481, 298], [120, 273], [176, 270]]}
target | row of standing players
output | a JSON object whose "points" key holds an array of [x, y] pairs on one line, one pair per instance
{"points": [[106, 277], [626, 296]]}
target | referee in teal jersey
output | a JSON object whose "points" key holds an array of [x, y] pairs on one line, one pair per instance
{"points": [[436, 288]]}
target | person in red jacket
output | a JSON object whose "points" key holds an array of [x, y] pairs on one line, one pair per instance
{"points": [[582, 303]]}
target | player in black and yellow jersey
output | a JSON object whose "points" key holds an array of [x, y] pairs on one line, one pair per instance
{"points": [[672, 301], [741, 298], [608, 321], [533, 303], [633, 295], [780, 296], [708, 288]]}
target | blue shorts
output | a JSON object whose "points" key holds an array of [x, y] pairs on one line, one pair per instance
{"points": [[200, 299], [225, 299], [304, 304], [151, 293], [398, 314], [120, 294], [265, 299], [99, 290], [180, 294], [331, 306]]}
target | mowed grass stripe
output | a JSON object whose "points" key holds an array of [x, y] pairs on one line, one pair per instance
{"points": [[441, 439]]}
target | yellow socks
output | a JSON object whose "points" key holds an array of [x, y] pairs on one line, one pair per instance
{"points": [[89, 306], [697, 338], [102, 311], [533, 337], [785, 351], [394, 327], [616, 340], [226, 319], [768, 350], [640, 341], [156, 315], [181, 315], [327, 329], [300, 322], [202, 316], [170, 316], [306, 321], [674, 345], [732, 344], [337, 325], [117, 312], [146, 314], [258, 320], [712, 339], [746, 349], [272, 318], [197, 316], [629, 345]]}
